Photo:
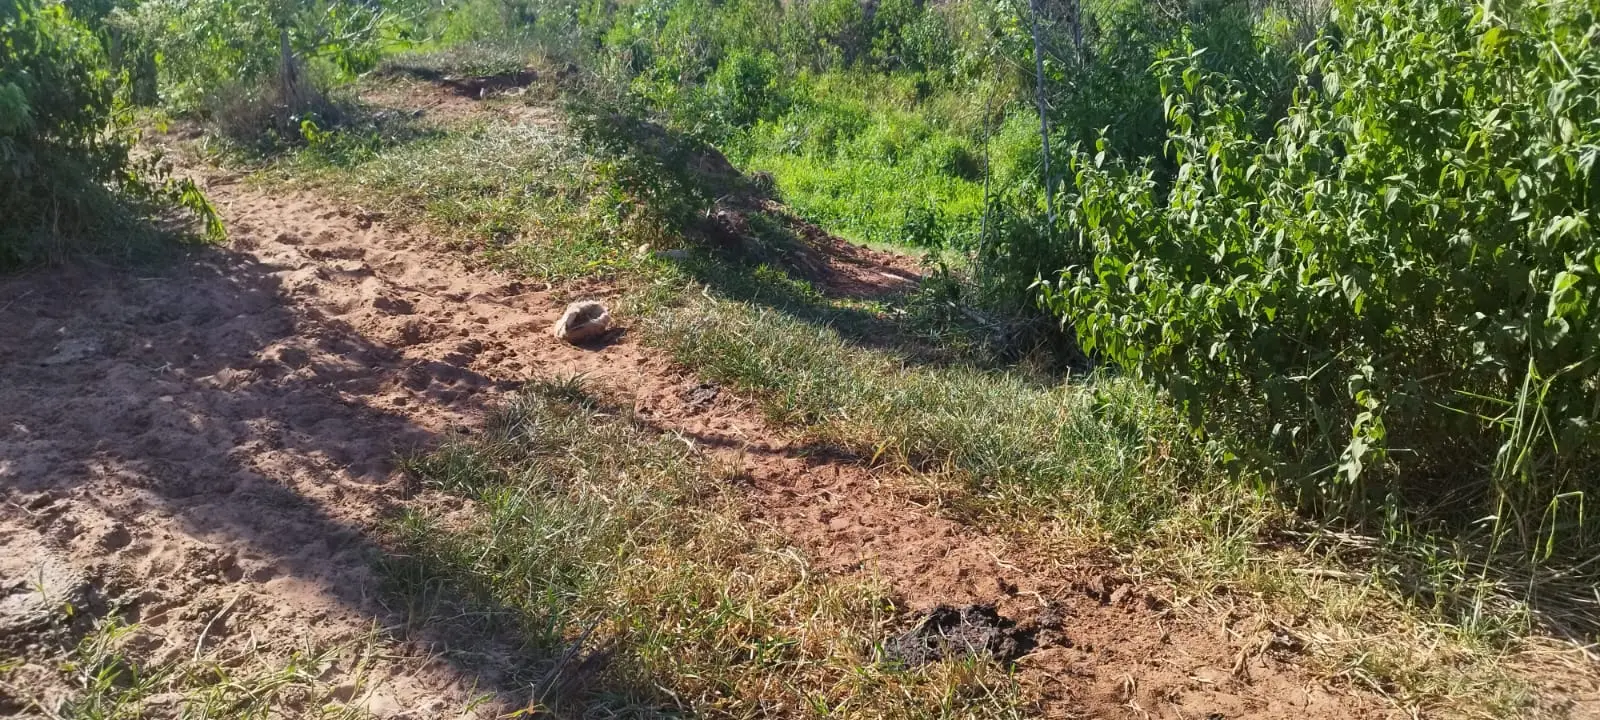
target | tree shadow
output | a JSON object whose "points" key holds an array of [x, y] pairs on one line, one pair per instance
{"points": [[760, 252], [188, 432], [752, 248]]}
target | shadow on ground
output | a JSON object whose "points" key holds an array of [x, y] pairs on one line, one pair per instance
{"points": [[763, 253], [214, 460], [740, 220]]}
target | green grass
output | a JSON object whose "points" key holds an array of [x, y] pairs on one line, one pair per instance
{"points": [[861, 155], [519, 192], [614, 558], [112, 681], [1089, 446]]}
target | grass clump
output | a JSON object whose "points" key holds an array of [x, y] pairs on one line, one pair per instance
{"points": [[610, 556], [112, 682], [518, 191]]}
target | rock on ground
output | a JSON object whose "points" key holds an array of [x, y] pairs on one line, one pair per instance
{"points": [[583, 321]]}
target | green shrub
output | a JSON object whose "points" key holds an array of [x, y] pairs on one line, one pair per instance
{"points": [[1392, 295], [224, 60], [745, 88], [57, 162]]}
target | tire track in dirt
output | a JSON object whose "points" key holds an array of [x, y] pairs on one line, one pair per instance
{"points": [[210, 447]]}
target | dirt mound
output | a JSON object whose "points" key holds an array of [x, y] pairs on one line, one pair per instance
{"points": [[947, 632]]}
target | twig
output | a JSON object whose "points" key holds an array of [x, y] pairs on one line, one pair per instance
{"points": [[1044, 117], [14, 300], [199, 644]]}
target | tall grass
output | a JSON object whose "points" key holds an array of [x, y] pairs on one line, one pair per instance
{"points": [[859, 154]]}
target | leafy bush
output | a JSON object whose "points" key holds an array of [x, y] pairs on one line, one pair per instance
{"points": [[255, 69], [745, 87], [55, 96], [59, 162], [1392, 295]]}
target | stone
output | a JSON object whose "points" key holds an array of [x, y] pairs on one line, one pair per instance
{"points": [[583, 321]]}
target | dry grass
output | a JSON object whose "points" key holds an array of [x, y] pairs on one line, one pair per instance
{"points": [[112, 681]]}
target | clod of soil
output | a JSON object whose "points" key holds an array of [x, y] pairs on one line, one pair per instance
{"points": [[583, 321], [947, 632], [45, 595], [700, 397], [477, 87]]}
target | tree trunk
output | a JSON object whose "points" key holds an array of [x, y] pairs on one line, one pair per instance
{"points": [[291, 85], [1044, 117]]}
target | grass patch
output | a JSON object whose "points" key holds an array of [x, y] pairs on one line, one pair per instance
{"points": [[616, 562], [520, 193], [1102, 463], [1087, 447], [112, 682], [1095, 453], [860, 155], [467, 59]]}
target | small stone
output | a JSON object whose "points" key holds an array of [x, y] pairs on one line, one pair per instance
{"points": [[394, 305], [73, 350], [293, 357], [583, 321], [675, 254]]}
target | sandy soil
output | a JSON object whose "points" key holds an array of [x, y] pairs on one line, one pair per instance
{"points": [[208, 446]]}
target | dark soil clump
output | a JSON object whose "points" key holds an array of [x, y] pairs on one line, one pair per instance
{"points": [[474, 87], [947, 632]]}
